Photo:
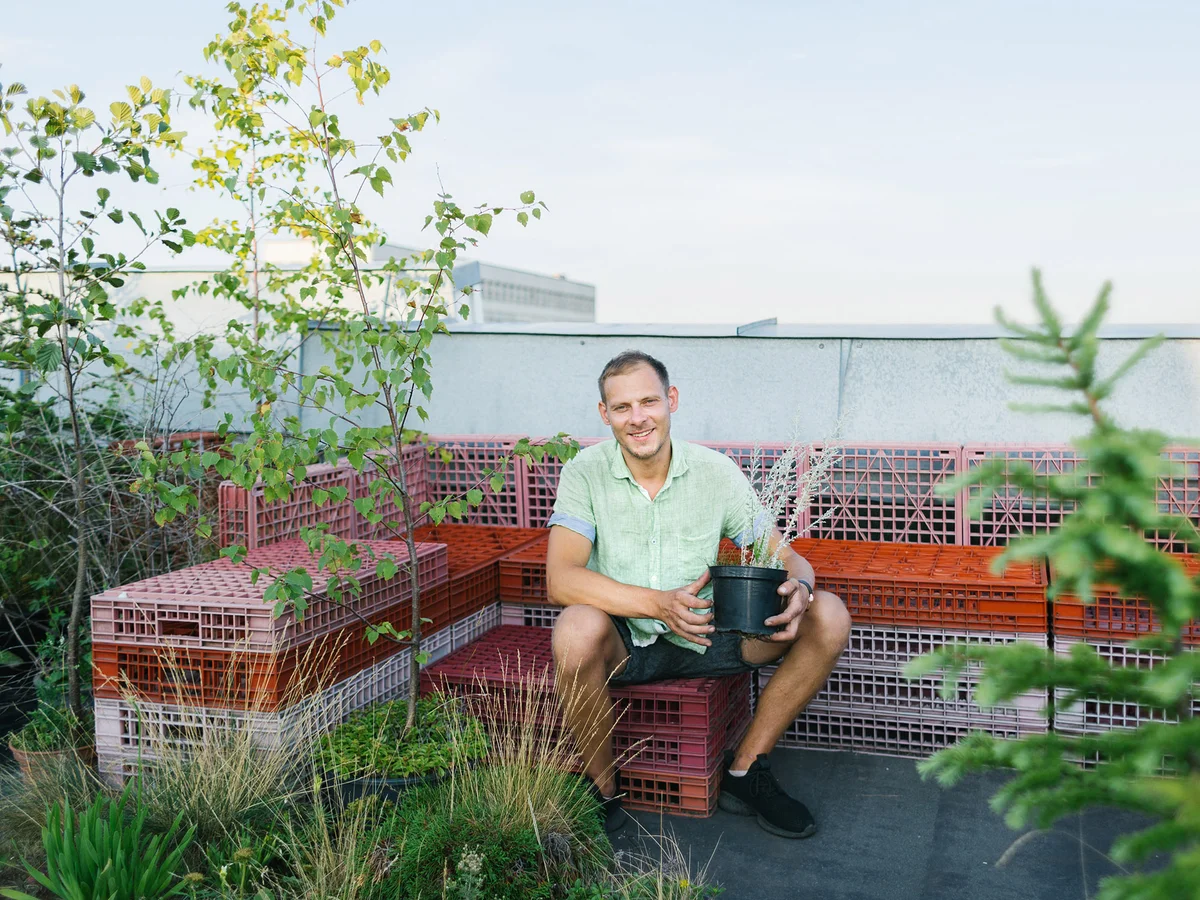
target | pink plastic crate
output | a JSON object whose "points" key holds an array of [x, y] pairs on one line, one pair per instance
{"points": [[887, 735], [539, 487], [467, 457], [416, 480], [1095, 714], [868, 680], [1179, 496], [246, 518], [215, 605], [531, 615], [885, 492], [1010, 511]]}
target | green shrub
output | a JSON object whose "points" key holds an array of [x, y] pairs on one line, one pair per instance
{"points": [[373, 740], [102, 852], [52, 728], [461, 847]]}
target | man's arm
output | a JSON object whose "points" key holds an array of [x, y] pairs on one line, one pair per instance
{"points": [[570, 581]]}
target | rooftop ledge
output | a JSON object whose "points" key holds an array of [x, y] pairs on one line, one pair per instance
{"points": [[769, 328]]}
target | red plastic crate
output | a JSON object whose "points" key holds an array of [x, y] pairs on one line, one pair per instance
{"points": [[216, 606], [539, 487], [683, 752], [416, 483], [885, 492], [513, 658], [1112, 617], [246, 518], [455, 465], [676, 795], [930, 586], [225, 679], [523, 574]]}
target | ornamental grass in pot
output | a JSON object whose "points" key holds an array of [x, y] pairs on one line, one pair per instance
{"points": [[371, 753], [52, 735], [746, 578]]}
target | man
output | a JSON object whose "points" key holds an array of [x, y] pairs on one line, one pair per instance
{"points": [[635, 526]]}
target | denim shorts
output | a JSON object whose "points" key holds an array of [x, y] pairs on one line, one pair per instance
{"points": [[663, 660]]}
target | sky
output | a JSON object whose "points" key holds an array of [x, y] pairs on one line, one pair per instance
{"points": [[826, 163]]}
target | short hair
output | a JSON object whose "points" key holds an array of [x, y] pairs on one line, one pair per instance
{"points": [[629, 360]]}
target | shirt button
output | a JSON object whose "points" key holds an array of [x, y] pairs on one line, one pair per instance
{"points": [[654, 579]]}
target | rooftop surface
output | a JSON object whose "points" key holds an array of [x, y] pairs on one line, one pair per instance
{"points": [[884, 834]]}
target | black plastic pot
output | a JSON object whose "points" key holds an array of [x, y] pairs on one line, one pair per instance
{"points": [[351, 789], [744, 597]]}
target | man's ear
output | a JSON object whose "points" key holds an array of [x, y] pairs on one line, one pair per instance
{"points": [[672, 398], [604, 413]]}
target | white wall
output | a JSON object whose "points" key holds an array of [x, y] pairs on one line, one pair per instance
{"points": [[503, 380]]}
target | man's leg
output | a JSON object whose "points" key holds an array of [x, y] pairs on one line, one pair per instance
{"points": [[824, 632], [587, 652]]}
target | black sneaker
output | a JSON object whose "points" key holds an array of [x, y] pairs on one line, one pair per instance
{"points": [[757, 793], [611, 811]]}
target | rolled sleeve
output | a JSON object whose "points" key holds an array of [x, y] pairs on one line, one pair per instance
{"points": [[573, 504]]}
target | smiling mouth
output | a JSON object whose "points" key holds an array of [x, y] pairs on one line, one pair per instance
{"points": [[641, 435]]}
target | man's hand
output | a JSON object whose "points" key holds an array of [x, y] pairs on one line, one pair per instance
{"points": [[675, 609], [788, 621]]}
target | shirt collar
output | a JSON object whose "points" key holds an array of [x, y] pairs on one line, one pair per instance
{"points": [[620, 469]]}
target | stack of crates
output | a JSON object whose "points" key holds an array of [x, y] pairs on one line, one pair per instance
{"points": [[906, 600], [1108, 624], [669, 737], [1111, 621], [181, 657]]}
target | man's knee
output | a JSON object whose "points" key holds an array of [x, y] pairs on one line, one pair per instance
{"points": [[829, 623], [582, 637]]}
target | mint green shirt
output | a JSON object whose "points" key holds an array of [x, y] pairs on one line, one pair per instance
{"points": [[664, 543]]}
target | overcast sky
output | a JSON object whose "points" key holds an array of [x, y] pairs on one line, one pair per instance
{"points": [[725, 162]]}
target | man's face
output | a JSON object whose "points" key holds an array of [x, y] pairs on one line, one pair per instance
{"points": [[638, 411]]}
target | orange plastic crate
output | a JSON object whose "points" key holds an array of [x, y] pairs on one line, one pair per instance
{"points": [[523, 574], [473, 554], [1113, 617], [930, 585]]}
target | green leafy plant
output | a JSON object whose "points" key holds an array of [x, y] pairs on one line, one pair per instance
{"points": [[283, 159], [57, 281], [1154, 768], [377, 740], [52, 728], [103, 852]]}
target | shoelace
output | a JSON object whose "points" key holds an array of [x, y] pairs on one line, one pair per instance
{"points": [[763, 784]]}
